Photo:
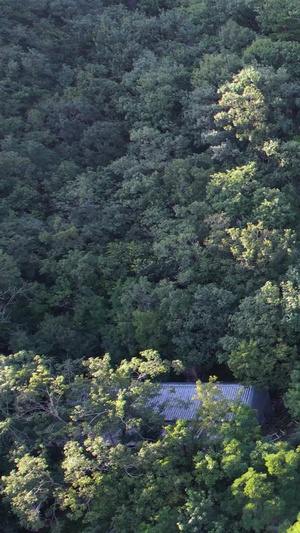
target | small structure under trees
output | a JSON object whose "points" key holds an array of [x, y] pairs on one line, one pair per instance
{"points": [[180, 400]]}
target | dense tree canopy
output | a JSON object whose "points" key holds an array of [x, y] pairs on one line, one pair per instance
{"points": [[150, 201], [86, 453]]}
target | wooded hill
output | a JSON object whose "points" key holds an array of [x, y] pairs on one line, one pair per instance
{"points": [[149, 174]]}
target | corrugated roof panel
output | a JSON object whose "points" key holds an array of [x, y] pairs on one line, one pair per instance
{"points": [[180, 403]]}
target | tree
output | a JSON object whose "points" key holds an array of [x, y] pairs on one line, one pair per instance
{"points": [[264, 335], [267, 52], [154, 92], [249, 105], [231, 192], [88, 453], [44, 410], [279, 18], [196, 319]]}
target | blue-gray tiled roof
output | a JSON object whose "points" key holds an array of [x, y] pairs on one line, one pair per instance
{"points": [[174, 394]]}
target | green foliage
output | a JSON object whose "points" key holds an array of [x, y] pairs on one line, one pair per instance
{"points": [[149, 201], [28, 488], [86, 449], [264, 342], [232, 192], [292, 396], [279, 18]]}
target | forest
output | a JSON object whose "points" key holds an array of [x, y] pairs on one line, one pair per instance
{"points": [[150, 230]]}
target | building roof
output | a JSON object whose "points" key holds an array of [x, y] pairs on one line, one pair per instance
{"points": [[178, 402]]}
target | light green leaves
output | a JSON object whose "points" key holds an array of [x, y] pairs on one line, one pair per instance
{"points": [[28, 488]]}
